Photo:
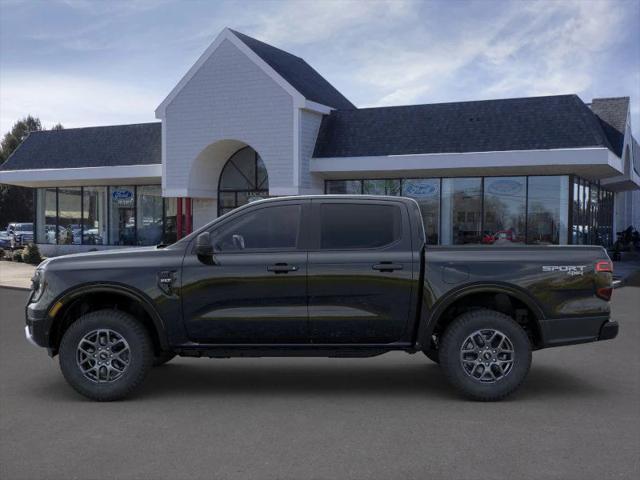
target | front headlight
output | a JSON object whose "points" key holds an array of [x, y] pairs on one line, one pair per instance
{"points": [[37, 285]]}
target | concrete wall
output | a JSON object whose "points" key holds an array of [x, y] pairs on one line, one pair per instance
{"points": [[229, 98]]}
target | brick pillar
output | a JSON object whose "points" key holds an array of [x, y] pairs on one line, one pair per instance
{"points": [[188, 216]]}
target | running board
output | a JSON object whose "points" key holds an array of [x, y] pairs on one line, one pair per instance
{"points": [[342, 351]]}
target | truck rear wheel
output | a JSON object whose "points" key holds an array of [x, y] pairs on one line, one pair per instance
{"points": [[105, 355], [485, 354]]}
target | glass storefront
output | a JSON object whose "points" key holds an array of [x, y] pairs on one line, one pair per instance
{"points": [[69, 217], [548, 210], [46, 215], [505, 203], [591, 213], [94, 215], [501, 210], [426, 191], [100, 215], [461, 210]]}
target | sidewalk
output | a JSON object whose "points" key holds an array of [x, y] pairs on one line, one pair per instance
{"points": [[16, 275]]}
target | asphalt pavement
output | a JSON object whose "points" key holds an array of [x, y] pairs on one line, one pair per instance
{"points": [[389, 417]]}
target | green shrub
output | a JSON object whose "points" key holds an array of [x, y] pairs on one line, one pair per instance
{"points": [[17, 257], [31, 254], [1, 254]]}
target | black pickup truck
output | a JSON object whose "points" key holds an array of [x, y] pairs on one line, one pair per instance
{"points": [[333, 276]]}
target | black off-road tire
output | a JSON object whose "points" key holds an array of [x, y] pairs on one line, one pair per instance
{"points": [[454, 339], [162, 358], [432, 354], [140, 357]]}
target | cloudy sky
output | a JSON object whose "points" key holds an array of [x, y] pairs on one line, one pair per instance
{"points": [[82, 62]]}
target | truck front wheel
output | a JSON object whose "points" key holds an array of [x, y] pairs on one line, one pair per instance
{"points": [[105, 355], [485, 354]]}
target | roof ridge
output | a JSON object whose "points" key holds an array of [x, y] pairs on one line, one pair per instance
{"points": [[97, 126], [237, 33], [467, 102]]}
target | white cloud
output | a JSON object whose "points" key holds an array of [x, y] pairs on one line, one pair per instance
{"points": [[315, 21], [72, 100]]}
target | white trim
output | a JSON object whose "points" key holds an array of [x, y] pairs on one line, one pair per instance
{"points": [[227, 34], [605, 162], [163, 152], [317, 107], [82, 175], [296, 147]]}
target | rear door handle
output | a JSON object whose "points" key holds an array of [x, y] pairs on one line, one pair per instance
{"points": [[282, 268], [387, 266]]}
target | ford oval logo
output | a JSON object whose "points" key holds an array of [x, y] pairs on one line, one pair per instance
{"points": [[420, 189], [505, 187], [122, 194]]}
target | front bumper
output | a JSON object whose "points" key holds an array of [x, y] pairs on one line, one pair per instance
{"points": [[574, 330], [38, 327]]}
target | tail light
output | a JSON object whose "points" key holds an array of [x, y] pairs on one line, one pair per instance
{"points": [[604, 266]]}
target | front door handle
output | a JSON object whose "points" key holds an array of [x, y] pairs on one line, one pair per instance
{"points": [[282, 268], [387, 266]]}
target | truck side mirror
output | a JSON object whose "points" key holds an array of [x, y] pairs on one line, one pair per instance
{"points": [[204, 249]]}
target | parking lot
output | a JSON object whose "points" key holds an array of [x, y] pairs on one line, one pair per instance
{"points": [[393, 416]]}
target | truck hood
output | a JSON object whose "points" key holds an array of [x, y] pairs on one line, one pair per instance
{"points": [[75, 260]]}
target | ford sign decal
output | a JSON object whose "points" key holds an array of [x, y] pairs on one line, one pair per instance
{"points": [[505, 187], [122, 194], [420, 189]]}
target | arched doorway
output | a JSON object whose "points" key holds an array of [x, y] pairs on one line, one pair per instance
{"points": [[243, 179]]}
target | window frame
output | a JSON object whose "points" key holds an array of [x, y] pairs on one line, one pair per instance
{"points": [[303, 227], [403, 242]]}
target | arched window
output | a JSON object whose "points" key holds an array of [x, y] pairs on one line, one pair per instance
{"points": [[243, 179]]}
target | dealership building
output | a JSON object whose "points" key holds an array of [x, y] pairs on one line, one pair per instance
{"points": [[249, 121]]}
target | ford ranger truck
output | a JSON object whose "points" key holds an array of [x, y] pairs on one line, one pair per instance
{"points": [[329, 276]]}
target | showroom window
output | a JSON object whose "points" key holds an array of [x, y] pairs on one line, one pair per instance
{"points": [[122, 216], [94, 215], [505, 215], [352, 187], [501, 210], [46, 216], [461, 210], [149, 215], [426, 192], [100, 215], [547, 210], [69, 217]]}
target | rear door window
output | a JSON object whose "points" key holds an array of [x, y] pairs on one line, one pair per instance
{"points": [[359, 225]]}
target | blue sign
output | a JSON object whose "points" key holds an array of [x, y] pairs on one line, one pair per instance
{"points": [[505, 187], [122, 194], [421, 189]]}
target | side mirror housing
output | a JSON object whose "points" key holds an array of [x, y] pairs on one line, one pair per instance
{"points": [[203, 245]]}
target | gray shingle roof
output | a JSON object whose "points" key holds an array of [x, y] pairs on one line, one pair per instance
{"points": [[533, 123], [298, 73], [138, 144], [612, 113]]}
